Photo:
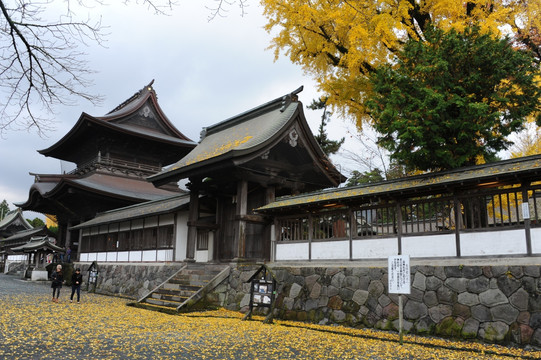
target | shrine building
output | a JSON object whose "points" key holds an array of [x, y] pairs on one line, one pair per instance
{"points": [[113, 155]]}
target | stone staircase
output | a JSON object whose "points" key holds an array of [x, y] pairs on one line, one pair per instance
{"points": [[183, 290]]}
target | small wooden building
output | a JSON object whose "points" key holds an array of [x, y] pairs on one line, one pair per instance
{"points": [[37, 250], [8, 246]]}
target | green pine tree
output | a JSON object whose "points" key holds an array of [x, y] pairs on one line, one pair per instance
{"points": [[453, 99], [328, 146]]}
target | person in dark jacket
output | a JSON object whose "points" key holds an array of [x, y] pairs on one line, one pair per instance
{"points": [[76, 281], [58, 278]]}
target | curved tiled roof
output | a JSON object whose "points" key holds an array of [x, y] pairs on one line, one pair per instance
{"points": [[148, 208], [12, 216], [117, 122], [247, 134]]}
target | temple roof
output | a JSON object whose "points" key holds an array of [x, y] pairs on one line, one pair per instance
{"points": [[251, 141], [85, 196], [37, 243], [138, 125], [12, 217], [494, 174], [27, 234], [150, 208]]}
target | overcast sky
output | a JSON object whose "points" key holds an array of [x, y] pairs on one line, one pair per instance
{"points": [[204, 72]]}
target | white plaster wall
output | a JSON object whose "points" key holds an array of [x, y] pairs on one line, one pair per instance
{"points": [[165, 255], [429, 246], [111, 256], [123, 256], [291, 251], [201, 255], [83, 257], [330, 250], [374, 248], [506, 242], [181, 232], [101, 256], [149, 255], [536, 240], [135, 256]]}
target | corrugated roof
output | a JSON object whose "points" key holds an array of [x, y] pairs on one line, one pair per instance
{"points": [[137, 211], [514, 168]]}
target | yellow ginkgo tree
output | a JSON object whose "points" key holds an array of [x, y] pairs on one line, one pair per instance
{"points": [[340, 42]]}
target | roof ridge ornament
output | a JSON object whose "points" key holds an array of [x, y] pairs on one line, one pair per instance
{"points": [[291, 97], [133, 97]]}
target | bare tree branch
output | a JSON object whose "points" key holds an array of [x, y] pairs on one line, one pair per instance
{"points": [[41, 64], [221, 8], [368, 154]]}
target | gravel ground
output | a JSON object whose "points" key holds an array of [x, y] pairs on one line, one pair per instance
{"points": [[102, 327]]}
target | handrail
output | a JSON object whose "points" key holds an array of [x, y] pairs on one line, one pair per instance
{"points": [[107, 161]]}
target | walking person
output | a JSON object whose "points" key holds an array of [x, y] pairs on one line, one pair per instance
{"points": [[58, 278], [76, 281]]}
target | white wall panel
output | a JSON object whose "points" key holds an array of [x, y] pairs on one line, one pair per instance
{"points": [[508, 242], [536, 240], [375, 248], [322, 250], [135, 256], [165, 255], [429, 245], [149, 255], [291, 251]]}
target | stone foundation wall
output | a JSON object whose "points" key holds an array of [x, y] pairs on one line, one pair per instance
{"points": [[490, 303], [129, 280], [500, 304]]}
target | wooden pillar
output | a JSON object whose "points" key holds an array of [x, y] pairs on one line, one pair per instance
{"points": [[193, 216], [68, 235], [458, 224], [399, 227], [240, 225], [526, 217], [352, 228]]}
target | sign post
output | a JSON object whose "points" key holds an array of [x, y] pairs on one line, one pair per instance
{"points": [[399, 283]]}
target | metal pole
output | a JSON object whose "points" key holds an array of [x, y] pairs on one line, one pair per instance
{"points": [[400, 318]]}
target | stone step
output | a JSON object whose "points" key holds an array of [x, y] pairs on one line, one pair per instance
{"points": [[182, 292], [162, 302], [194, 277], [177, 286]]}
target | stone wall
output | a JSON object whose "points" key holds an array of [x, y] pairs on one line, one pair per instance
{"points": [[490, 303], [499, 304], [129, 280]]}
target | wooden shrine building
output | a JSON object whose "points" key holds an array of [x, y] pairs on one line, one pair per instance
{"points": [[113, 155], [240, 164], [243, 163]]}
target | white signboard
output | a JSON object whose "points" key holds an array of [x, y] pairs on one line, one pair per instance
{"points": [[399, 274], [525, 210]]}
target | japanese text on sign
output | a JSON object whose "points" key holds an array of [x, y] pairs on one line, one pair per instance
{"points": [[399, 274]]}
